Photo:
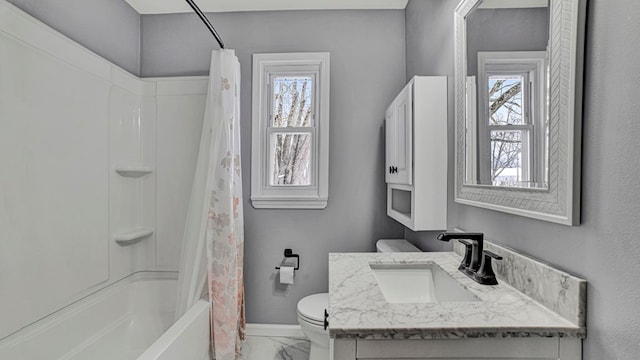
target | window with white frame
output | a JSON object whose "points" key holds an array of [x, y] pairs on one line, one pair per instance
{"points": [[290, 131], [512, 126]]}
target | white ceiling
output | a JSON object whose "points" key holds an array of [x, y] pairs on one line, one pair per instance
{"points": [[510, 4], [178, 6]]}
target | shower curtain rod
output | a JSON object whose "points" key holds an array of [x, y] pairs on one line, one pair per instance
{"points": [[206, 22]]}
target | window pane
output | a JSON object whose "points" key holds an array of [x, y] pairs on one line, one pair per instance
{"points": [[290, 159], [505, 100], [292, 101], [509, 160]]}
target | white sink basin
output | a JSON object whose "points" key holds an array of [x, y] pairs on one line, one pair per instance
{"points": [[418, 283]]}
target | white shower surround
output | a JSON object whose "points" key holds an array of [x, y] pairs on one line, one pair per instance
{"points": [[72, 291], [170, 6]]}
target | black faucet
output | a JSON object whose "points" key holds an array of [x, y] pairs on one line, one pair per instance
{"points": [[477, 261], [473, 264]]}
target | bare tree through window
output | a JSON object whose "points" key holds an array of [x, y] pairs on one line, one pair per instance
{"points": [[505, 108], [292, 109]]}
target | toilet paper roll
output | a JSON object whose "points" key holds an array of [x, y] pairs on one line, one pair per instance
{"points": [[286, 274]]}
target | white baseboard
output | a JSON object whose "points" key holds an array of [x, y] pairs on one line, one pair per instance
{"points": [[274, 330]]}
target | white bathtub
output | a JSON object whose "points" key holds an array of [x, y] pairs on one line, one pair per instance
{"points": [[131, 319]]}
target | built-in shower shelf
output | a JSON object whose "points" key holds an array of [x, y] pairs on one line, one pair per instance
{"points": [[133, 236], [133, 171]]}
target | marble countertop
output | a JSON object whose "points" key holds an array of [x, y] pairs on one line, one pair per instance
{"points": [[358, 309]]}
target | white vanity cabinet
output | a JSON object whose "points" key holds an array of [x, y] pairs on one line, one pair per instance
{"points": [[416, 154], [531, 348]]}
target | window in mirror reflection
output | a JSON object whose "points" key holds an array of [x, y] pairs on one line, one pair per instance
{"points": [[512, 126], [509, 148]]}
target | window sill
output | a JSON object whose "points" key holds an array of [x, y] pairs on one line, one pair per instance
{"points": [[289, 203]]}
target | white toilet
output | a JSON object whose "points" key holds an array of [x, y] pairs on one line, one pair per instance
{"points": [[311, 309]]}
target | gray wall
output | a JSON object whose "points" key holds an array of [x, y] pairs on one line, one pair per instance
{"points": [[110, 28], [367, 71], [525, 29], [605, 248], [429, 45]]}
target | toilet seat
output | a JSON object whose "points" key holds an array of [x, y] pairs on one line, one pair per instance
{"points": [[310, 321], [311, 308]]}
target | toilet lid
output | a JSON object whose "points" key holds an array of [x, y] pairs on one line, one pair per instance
{"points": [[312, 307]]}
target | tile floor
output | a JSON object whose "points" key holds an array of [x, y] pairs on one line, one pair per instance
{"points": [[275, 347]]}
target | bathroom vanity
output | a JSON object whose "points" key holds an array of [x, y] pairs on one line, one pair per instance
{"points": [[378, 309]]}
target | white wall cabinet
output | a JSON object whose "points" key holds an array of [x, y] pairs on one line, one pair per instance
{"points": [[399, 118], [416, 154]]}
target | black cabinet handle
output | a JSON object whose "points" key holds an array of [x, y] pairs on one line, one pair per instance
{"points": [[326, 317]]}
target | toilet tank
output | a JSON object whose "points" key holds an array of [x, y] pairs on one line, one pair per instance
{"points": [[395, 245]]}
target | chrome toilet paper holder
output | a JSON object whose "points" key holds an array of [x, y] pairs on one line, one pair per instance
{"points": [[288, 253]]}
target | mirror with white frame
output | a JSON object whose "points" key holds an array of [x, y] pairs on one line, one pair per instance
{"points": [[518, 106]]}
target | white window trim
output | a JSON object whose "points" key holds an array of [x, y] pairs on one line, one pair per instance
{"points": [[263, 195], [517, 60], [471, 133]]}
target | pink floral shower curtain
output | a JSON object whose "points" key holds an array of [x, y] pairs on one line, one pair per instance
{"points": [[213, 239], [225, 228]]}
